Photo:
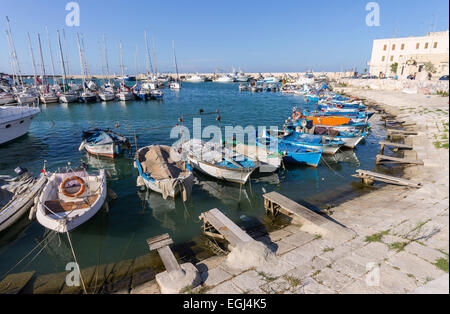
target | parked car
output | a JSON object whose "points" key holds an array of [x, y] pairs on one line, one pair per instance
{"points": [[444, 78]]}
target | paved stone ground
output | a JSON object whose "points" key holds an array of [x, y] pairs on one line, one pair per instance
{"points": [[401, 234]]}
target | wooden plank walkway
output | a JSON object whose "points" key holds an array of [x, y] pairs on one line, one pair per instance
{"points": [[396, 145], [402, 133], [216, 224], [274, 203], [368, 177], [161, 244], [383, 159]]}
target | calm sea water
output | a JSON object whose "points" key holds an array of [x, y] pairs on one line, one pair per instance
{"points": [[135, 216]]}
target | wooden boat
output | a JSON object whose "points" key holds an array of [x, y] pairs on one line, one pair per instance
{"points": [[312, 141], [217, 161], [162, 170], [268, 160], [71, 198], [104, 142], [293, 153], [17, 196]]}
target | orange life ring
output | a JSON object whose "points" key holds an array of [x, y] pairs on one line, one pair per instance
{"points": [[296, 115], [73, 178], [339, 106]]}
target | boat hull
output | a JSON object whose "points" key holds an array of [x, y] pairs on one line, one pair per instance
{"points": [[68, 98], [21, 206], [12, 129], [235, 175]]}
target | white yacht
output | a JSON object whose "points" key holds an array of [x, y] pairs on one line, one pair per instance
{"points": [[15, 121], [196, 79], [224, 79]]}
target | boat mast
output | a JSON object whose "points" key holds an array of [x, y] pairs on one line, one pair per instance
{"points": [[51, 54], [14, 53], [81, 63], [11, 61], [106, 59], [175, 59], [121, 62], [100, 57], [42, 58], [148, 59], [154, 56], [63, 67], [32, 57], [67, 54], [84, 56]]}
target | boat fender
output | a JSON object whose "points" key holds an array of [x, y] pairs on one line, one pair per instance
{"points": [[140, 181], [73, 178], [82, 146]]}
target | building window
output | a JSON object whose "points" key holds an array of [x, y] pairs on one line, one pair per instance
{"points": [[385, 47], [435, 45], [393, 47], [426, 45], [417, 46], [403, 47], [383, 58], [392, 58]]}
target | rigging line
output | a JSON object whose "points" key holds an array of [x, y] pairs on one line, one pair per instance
{"points": [[76, 261], [29, 253], [329, 167]]}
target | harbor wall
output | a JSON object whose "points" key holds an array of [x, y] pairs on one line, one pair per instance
{"points": [[408, 86]]}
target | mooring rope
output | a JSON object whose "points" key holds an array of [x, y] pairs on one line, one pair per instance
{"points": [[76, 261]]}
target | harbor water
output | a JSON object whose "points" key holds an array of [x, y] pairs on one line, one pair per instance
{"points": [[136, 215]]}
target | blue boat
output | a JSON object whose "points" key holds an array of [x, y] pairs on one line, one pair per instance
{"points": [[310, 141], [293, 153]]}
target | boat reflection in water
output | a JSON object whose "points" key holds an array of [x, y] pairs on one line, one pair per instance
{"points": [[118, 168]]}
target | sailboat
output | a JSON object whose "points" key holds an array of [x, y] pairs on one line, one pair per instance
{"points": [[107, 93], [124, 92], [48, 94], [66, 96], [177, 84], [86, 95]]}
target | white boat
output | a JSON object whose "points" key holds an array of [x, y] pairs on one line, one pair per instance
{"points": [[70, 199], [106, 95], [26, 98], [17, 196], [271, 79], [104, 142], [195, 79], [15, 121], [217, 161], [268, 160], [6, 98], [68, 97], [175, 85], [125, 95], [224, 79], [162, 170], [48, 98]]}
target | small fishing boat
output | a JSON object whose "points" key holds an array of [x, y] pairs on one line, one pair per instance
{"points": [[17, 195], [217, 161], [268, 160], [71, 198], [175, 85], [156, 94], [68, 97], [195, 79], [104, 142], [88, 97], [224, 79], [328, 146], [294, 153], [162, 170]]}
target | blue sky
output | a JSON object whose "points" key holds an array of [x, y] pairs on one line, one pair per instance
{"points": [[258, 36]]}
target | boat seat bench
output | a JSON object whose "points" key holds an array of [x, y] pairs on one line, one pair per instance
{"points": [[58, 206]]}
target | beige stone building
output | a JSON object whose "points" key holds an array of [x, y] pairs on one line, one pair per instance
{"points": [[411, 53]]}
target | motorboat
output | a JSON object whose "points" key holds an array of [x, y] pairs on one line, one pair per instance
{"points": [[15, 121]]}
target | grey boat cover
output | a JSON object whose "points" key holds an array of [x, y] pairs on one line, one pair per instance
{"points": [[165, 165]]}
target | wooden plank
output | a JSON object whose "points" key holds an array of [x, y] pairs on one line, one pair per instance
{"points": [[399, 145], [365, 174], [390, 159], [14, 283], [168, 259], [291, 207], [230, 231], [401, 132], [159, 241]]}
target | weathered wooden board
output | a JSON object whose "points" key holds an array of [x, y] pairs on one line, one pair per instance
{"points": [[399, 145], [289, 207], [227, 228], [383, 159], [159, 241], [161, 244], [374, 176]]}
